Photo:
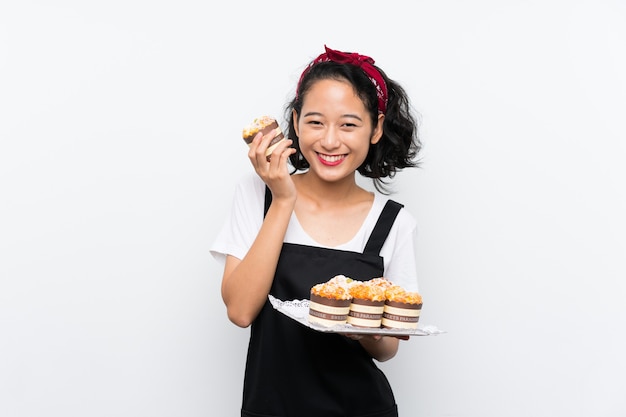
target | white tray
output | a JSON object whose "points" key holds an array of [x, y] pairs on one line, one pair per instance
{"points": [[298, 310]]}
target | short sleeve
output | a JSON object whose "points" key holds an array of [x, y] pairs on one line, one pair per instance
{"points": [[243, 222], [399, 252]]}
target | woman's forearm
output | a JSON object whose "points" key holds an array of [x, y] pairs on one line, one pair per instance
{"points": [[247, 282], [381, 349]]}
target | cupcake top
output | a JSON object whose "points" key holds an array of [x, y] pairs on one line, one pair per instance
{"points": [[257, 125], [337, 287], [400, 295], [381, 282], [368, 290], [342, 281], [341, 287]]}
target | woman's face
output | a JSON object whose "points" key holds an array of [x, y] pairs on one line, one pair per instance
{"points": [[335, 129]]}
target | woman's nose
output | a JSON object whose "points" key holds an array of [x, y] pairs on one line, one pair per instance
{"points": [[330, 139]]}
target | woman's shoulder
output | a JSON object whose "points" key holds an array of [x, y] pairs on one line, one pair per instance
{"points": [[404, 219], [249, 183], [250, 192]]}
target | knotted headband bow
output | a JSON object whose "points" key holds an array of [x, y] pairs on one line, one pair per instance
{"points": [[364, 62]]}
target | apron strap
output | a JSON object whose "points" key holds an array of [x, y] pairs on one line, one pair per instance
{"points": [[268, 200], [382, 227]]}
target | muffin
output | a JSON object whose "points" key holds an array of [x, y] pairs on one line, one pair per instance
{"points": [[402, 308], [368, 302], [264, 124], [329, 302]]}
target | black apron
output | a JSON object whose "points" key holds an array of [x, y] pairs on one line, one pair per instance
{"points": [[294, 371]]}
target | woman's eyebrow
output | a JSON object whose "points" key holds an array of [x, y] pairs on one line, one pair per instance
{"points": [[347, 115]]}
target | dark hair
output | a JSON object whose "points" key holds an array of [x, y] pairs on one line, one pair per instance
{"points": [[399, 145]]}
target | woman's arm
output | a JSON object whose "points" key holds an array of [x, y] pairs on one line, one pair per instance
{"points": [[247, 282], [381, 348]]}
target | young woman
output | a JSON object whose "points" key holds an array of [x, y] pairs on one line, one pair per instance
{"points": [[302, 219]]}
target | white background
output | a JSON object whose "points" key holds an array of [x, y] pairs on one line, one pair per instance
{"points": [[120, 128]]}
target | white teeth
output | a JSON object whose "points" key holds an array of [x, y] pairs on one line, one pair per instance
{"points": [[331, 158]]}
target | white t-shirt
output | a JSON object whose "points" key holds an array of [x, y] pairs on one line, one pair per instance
{"points": [[246, 217]]}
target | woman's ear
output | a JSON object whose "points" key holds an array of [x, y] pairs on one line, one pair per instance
{"points": [[378, 130], [294, 115]]}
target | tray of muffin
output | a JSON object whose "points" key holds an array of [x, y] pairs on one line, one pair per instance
{"points": [[298, 310], [343, 305]]}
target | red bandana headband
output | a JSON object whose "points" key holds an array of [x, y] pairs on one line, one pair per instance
{"points": [[364, 62]]}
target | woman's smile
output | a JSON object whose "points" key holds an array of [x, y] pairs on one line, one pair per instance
{"points": [[330, 160]]}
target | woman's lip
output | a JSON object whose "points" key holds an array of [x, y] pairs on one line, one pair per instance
{"points": [[330, 160]]}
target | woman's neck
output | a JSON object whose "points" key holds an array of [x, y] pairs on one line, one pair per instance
{"points": [[324, 193]]}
